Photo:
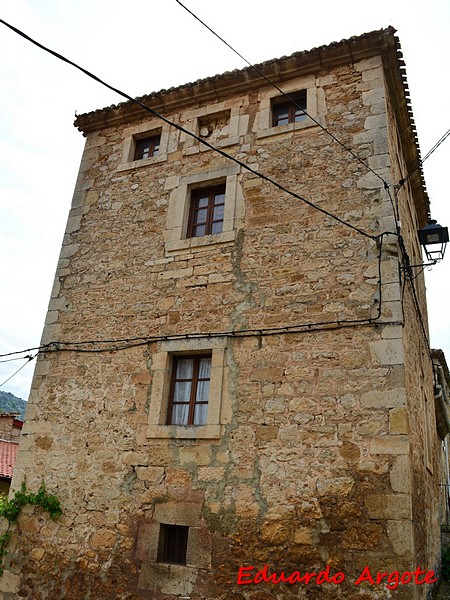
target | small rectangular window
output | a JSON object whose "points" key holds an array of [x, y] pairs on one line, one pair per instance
{"points": [[289, 111], [206, 211], [147, 147], [172, 546], [189, 393]]}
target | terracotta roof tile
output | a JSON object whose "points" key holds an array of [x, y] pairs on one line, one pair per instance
{"points": [[8, 453]]}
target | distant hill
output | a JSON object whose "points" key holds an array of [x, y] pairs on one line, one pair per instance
{"points": [[12, 404]]}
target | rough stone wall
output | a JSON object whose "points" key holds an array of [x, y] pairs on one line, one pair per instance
{"points": [[309, 467], [418, 418]]}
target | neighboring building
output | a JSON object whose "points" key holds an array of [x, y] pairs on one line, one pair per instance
{"points": [[235, 378], [10, 430], [442, 404]]}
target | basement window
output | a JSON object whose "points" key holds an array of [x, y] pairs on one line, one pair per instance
{"points": [[172, 546]]}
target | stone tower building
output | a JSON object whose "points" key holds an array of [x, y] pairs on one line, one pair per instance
{"points": [[235, 375]]}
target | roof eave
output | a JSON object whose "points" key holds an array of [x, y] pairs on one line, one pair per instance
{"points": [[238, 81]]}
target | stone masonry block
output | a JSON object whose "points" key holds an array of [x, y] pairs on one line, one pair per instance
{"points": [[152, 474], [400, 535], [400, 476], [379, 161], [374, 96], [398, 420], [178, 513], [69, 250], [52, 317], [389, 444], [375, 122], [337, 486], [9, 582], [369, 181], [73, 224], [384, 398], [389, 506], [387, 352], [368, 64]]}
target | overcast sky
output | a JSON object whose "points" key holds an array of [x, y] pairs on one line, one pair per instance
{"points": [[144, 46]]}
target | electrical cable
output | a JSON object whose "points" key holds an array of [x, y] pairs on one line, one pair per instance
{"points": [[406, 265], [74, 346], [283, 93], [182, 129], [17, 358], [19, 369], [132, 342], [429, 153], [307, 328]]}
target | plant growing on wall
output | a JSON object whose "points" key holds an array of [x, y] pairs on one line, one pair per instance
{"points": [[11, 509]]}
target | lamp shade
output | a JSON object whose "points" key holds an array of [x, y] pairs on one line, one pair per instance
{"points": [[431, 235]]}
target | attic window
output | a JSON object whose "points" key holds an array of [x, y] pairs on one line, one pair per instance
{"points": [[147, 147], [289, 111], [172, 547]]}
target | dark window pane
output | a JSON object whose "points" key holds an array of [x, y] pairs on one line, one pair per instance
{"points": [[201, 413], [219, 199], [202, 391], [182, 391], [200, 216], [199, 231], [218, 213], [180, 414], [217, 227], [172, 545], [299, 116], [185, 368], [147, 147], [202, 202], [204, 370], [289, 111]]}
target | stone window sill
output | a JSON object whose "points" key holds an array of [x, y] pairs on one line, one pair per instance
{"points": [[186, 432], [288, 128], [144, 162], [198, 244]]}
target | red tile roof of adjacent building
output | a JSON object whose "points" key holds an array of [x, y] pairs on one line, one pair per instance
{"points": [[8, 453]]}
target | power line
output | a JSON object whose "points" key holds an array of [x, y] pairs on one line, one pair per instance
{"points": [[407, 268], [263, 332], [19, 369], [132, 342], [427, 155], [251, 65], [182, 129], [12, 359]]}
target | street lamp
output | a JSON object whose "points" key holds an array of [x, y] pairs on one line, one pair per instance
{"points": [[433, 234]]}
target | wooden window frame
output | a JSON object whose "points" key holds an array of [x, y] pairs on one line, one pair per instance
{"points": [[173, 543], [195, 380], [154, 142], [196, 193], [300, 99]]}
